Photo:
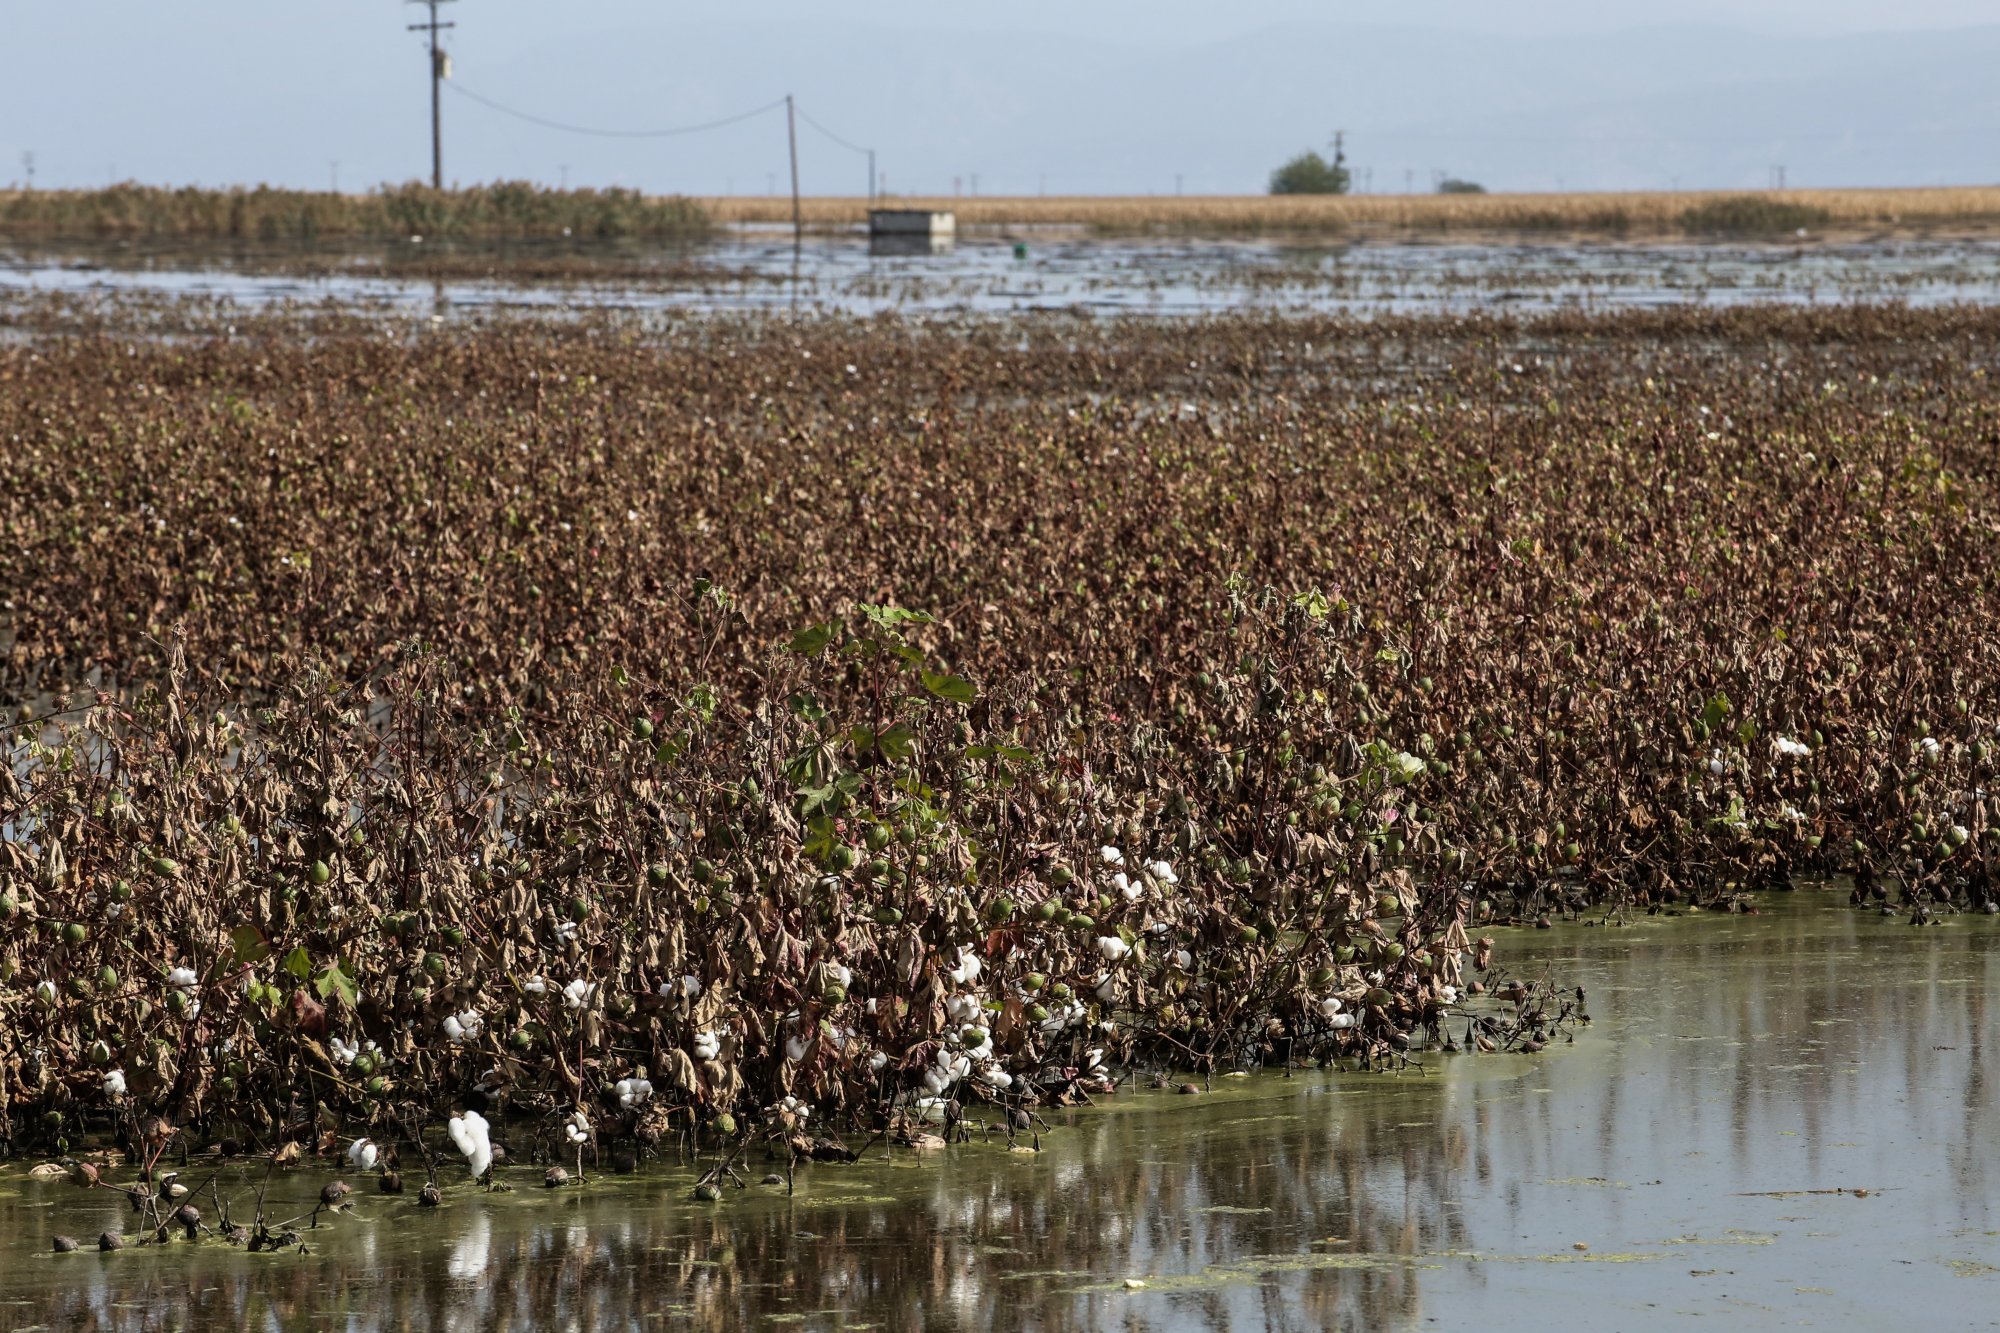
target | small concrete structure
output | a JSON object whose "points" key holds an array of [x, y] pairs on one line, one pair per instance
{"points": [[911, 222]]}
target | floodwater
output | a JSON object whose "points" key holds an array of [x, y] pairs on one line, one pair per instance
{"points": [[1779, 1120], [752, 271]]}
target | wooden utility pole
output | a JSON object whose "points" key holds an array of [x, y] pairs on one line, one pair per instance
{"points": [[792, 134], [440, 66]]}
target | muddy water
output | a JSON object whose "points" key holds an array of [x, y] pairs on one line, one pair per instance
{"points": [[1739, 1070], [760, 271]]}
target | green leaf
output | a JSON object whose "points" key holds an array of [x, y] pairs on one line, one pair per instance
{"points": [[299, 963], [897, 742], [1715, 710], [335, 978], [249, 944], [947, 686], [889, 617], [809, 641]]}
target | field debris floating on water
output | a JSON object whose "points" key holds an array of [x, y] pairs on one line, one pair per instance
{"points": [[803, 734]]}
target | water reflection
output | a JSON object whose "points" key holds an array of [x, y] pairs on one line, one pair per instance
{"points": [[1737, 1065]]}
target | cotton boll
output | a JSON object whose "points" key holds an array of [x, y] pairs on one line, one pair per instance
{"points": [[1112, 948], [536, 985], [995, 1077], [706, 1046], [1111, 856], [1341, 1021], [344, 1052], [796, 1048], [362, 1155], [183, 978], [967, 969], [470, 1135], [577, 994], [1162, 872], [839, 975], [1329, 1006], [114, 1083], [877, 1062]]}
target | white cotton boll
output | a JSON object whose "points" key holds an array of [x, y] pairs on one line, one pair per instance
{"points": [[1111, 856], [1107, 990], [1329, 1006], [995, 1077], [1162, 872], [1716, 768], [577, 994], [1122, 882], [46, 991], [536, 985], [967, 969], [796, 1107], [1183, 959], [1792, 813], [362, 1154], [978, 1052], [936, 1081], [838, 974], [183, 978], [796, 1048], [877, 1062], [344, 1052], [469, 1134], [1112, 948], [452, 1028], [1787, 748], [464, 1025], [114, 1083], [633, 1091], [1448, 994], [962, 1008], [1093, 1058], [960, 1065], [1342, 1021], [706, 1046]]}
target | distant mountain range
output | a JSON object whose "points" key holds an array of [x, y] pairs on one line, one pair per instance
{"points": [[1029, 112]]}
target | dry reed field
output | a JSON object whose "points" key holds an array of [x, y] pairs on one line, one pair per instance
{"points": [[1968, 208], [776, 731]]}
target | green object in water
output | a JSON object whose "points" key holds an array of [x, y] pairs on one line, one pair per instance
{"points": [[1020, 249]]}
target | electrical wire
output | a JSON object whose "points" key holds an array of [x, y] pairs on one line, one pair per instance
{"points": [[545, 123], [851, 147]]}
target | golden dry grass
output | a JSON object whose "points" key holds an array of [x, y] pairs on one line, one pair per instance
{"points": [[1652, 212]]}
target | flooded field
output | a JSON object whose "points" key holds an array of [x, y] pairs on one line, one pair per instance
{"points": [[760, 270], [1776, 1120]]}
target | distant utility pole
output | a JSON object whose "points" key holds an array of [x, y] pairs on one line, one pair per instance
{"points": [[792, 134], [440, 71], [871, 178], [1778, 176], [28, 165]]}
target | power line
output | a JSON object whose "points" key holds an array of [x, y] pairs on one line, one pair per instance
{"points": [[546, 123], [851, 147]]}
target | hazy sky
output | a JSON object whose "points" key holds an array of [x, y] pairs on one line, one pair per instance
{"points": [[1056, 95]]}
